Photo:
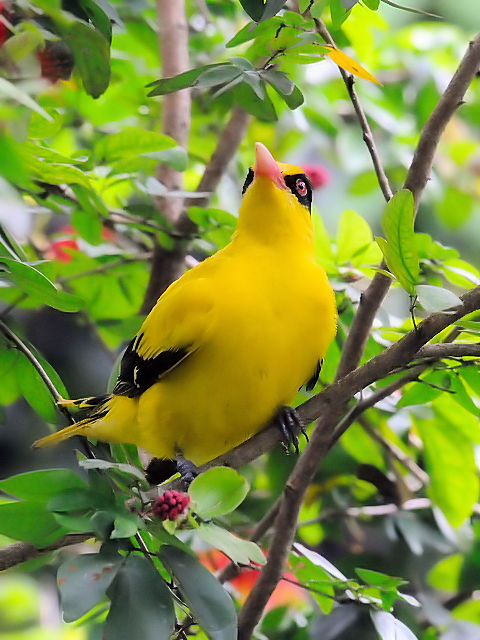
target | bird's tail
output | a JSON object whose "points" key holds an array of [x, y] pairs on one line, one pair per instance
{"points": [[100, 406]]}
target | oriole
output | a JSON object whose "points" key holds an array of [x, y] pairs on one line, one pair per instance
{"points": [[228, 345]]}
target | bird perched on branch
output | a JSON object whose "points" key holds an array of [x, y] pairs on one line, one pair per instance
{"points": [[228, 345]]}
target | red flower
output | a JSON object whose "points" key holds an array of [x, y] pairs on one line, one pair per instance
{"points": [[171, 505], [317, 175], [285, 594]]}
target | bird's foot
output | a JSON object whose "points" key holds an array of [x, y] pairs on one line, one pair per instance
{"points": [[290, 424], [187, 470]]}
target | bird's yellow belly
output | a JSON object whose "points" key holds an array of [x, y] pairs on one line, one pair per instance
{"points": [[229, 389]]}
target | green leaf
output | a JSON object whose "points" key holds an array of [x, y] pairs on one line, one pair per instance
{"points": [[378, 579], [74, 499], [41, 486], [87, 224], [92, 56], [372, 4], [319, 561], [30, 522], [125, 525], [272, 7], [282, 84], [207, 600], [254, 8], [142, 606], [217, 491], [400, 250], [450, 463], [354, 237], [176, 83], [435, 299], [248, 99], [125, 469], [238, 550], [34, 390], [219, 74], [83, 581], [131, 141], [338, 14], [99, 18], [33, 282], [447, 573]]}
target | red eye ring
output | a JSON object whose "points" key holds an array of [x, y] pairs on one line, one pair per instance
{"points": [[301, 187]]}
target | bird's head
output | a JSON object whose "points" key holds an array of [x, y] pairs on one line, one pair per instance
{"points": [[277, 200]]}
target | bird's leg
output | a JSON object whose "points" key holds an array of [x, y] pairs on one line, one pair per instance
{"points": [[187, 470], [289, 423]]}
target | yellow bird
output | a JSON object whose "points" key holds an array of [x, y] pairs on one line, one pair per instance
{"points": [[228, 345]]}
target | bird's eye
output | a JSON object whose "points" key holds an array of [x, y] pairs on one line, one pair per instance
{"points": [[301, 188]]}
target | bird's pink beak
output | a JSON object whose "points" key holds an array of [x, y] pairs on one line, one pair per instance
{"points": [[265, 165]]}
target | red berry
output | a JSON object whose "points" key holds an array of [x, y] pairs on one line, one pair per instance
{"points": [[171, 505]]}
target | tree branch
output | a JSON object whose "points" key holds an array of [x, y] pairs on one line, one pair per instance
{"points": [[330, 404], [19, 552], [417, 178], [362, 118]]}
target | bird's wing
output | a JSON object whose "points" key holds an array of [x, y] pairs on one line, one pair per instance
{"points": [[309, 385], [174, 329]]}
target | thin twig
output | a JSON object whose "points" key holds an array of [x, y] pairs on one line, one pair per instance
{"points": [[362, 118], [417, 178]]}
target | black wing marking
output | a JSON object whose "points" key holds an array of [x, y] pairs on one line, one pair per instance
{"points": [[137, 374], [314, 379]]}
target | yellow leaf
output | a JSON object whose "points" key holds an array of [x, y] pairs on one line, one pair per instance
{"points": [[349, 64]]}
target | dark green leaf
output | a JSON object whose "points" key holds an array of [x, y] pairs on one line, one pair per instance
{"points": [[98, 18], [371, 4], [176, 83], [92, 56], [142, 606], [272, 7], [41, 486], [208, 601], [217, 491], [34, 390], [74, 499], [254, 8], [247, 98], [30, 522], [83, 581], [219, 74]]}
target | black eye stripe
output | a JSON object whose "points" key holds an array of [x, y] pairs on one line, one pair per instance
{"points": [[291, 181], [248, 180]]}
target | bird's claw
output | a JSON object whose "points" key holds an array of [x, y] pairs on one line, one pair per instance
{"points": [[187, 470], [290, 423]]}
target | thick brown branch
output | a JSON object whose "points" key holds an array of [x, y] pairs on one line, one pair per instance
{"points": [[330, 404], [19, 552], [416, 180]]}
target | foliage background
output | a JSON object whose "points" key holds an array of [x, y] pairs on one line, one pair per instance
{"points": [[94, 236]]}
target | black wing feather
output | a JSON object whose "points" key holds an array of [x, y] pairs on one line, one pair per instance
{"points": [[314, 379], [137, 374]]}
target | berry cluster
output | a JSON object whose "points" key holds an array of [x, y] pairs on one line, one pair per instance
{"points": [[171, 505]]}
